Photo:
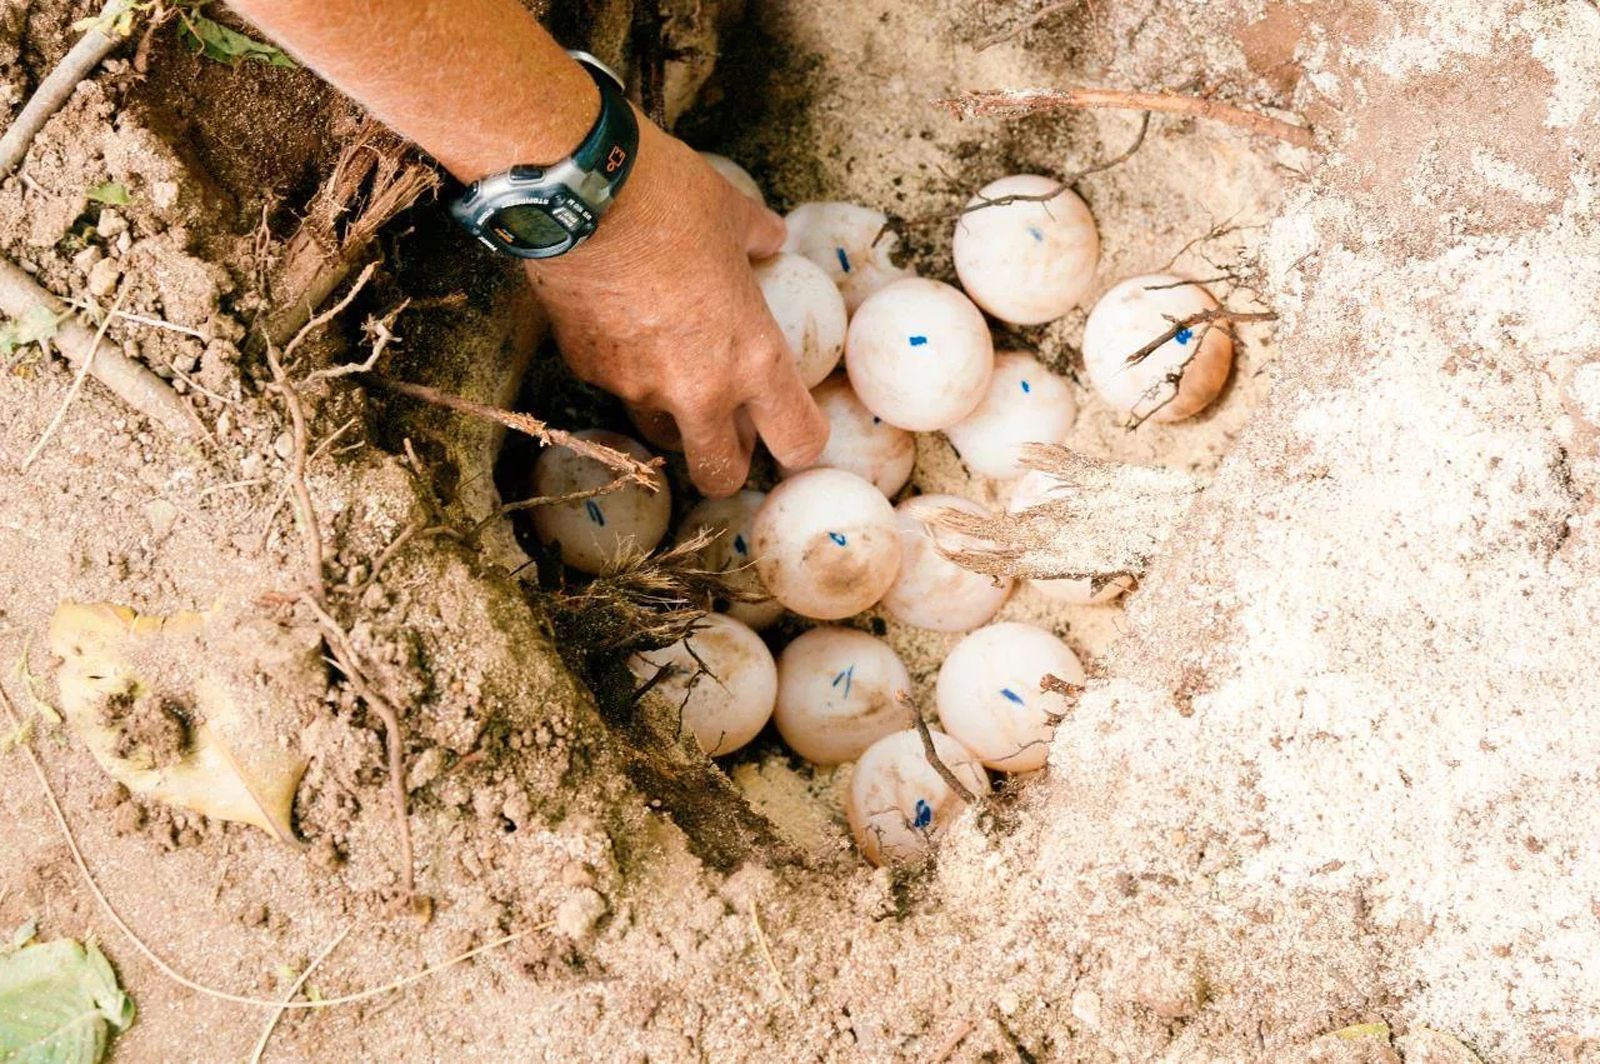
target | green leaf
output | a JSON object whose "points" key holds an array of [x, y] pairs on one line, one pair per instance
{"points": [[58, 1002], [216, 41], [36, 323], [111, 193]]}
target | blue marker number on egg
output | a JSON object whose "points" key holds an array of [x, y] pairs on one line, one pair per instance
{"points": [[595, 513], [1011, 696], [740, 545], [917, 341], [1183, 335], [847, 677], [1026, 388], [844, 260], [837, 537], [922, 814], [1037, 234]]}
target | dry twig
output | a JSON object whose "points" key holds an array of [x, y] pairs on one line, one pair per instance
{"points": [[57, 88], [84, 369], [1017, 103], [1203, 317], [345, 656], [1046, 197], [294, 989], [125, 378], [932, 754], [643, 473], [766, 954]]}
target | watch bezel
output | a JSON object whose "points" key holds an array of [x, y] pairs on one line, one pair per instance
{"points": [[573, 193]]}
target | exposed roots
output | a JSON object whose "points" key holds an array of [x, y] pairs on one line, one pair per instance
{"points": [[644, 603], [1104, 520], [377, 176], [1018, 103]]}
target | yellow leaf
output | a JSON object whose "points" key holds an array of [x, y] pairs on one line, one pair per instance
{"points": [[196, 710]]}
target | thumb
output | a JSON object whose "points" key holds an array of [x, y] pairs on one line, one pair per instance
{"points": [[764, 230]]}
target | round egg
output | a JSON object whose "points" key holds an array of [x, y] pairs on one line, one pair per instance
{"points": [[731, 553], [1024, 403], [1176, 380], [809, 310], [736, 175], [1034, 488], [838, 693], [898, 804], [721, 675], [826, 544], [919, 355], [859, 441], [989, 698], [1026, 260], [931, 591], [594, 534], [852, 243]]}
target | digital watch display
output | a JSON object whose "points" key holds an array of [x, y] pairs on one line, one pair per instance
{"points": [[541, 211]]}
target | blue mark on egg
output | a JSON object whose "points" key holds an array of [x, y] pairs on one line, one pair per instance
{"points": [[740, 545], [837, 537], [1036, 233], [844, 260], [1183, 335], [922, 815], [595, 513], [917, 341], [876, 420], [847, 677], [1026, 387], [1012, 696]]}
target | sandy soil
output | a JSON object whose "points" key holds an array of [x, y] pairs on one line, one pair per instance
{"points": [[1333, 767]]}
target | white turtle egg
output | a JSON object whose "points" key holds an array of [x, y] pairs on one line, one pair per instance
{"points": [[809, 310], [1025, 403], [1034, 488], [826, 544], [931, 591], [1028, 261], [731, 552], [593, 534], [1176, 380], [852, 243], [919, 355], [860, 441], [989, 698], [723, 676], [736, 175], [898, 804], [837, 694]]}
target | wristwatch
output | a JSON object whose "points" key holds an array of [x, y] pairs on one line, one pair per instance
{"points": [[541, 211]]}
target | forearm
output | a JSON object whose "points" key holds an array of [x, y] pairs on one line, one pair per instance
{"points": [[478, 84]]}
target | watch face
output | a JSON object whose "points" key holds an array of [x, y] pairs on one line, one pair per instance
{"points": [[528, 227]]}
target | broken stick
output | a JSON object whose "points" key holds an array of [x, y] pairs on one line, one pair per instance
{"points": [[128, 380]]}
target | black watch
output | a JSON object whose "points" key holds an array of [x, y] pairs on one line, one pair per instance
{"points": [[539, 212]]}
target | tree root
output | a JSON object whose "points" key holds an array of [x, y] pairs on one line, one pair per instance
{"points": [[128, 380], [1017, 103], [57, 87]]}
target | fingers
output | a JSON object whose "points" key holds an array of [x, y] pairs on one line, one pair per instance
{"points": [[788, 419], [656, 426], [719, 459], [764, 230]]}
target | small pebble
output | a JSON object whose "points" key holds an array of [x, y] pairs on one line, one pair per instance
{"points": [[576, 917], [103, 277]]}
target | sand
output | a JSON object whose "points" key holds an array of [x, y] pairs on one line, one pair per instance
{"points": [[1332, 767]]}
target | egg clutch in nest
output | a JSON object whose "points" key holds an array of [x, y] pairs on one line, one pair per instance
{"points": [[826, 543]]}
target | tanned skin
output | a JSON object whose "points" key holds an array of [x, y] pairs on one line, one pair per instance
{"points": [[660, 306]]}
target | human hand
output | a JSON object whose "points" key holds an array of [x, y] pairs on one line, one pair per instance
{"points": [[661, 309]]}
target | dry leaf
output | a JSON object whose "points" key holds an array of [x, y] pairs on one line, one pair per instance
{"points": [[197, 710]]}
